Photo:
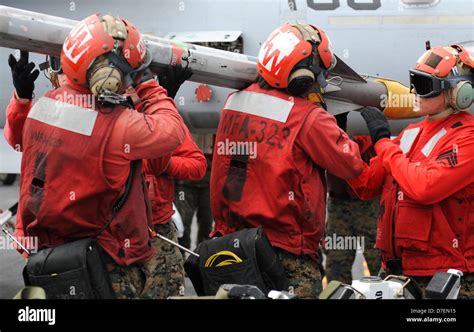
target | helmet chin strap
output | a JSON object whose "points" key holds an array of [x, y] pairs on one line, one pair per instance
{"points": [[443, 114], [449, 110]]}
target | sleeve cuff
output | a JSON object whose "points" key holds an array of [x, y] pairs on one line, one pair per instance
{"points": [[381, 145], [21, 106], [142, 86]]}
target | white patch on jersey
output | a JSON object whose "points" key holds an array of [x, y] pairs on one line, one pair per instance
{"points": [[432, 142], [260, 104], [63, 115], [408, 138]]}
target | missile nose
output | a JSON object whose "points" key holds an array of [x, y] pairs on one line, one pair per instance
{"points": [[399, 102]]}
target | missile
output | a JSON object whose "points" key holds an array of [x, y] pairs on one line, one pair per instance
{"points": [[346, 91], [45, 34]]}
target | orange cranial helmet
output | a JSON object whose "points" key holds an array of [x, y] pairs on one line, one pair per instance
{"points": [[291, 48], [447, 68], [106, 37], [439, 61]]}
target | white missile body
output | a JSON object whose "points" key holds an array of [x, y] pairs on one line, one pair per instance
{"points": [[347, 90]]}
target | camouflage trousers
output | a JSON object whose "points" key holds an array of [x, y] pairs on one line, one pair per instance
{"points": [[191, 197], [159, 278], [303, 274], [351, 218], [467, 285]]}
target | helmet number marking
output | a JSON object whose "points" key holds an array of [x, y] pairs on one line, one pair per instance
{"points": [[74, 44], [279, 46], [141, 47]]}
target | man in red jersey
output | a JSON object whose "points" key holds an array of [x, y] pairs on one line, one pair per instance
{"points": [[77, 153], [424, 176], [272, 148]]}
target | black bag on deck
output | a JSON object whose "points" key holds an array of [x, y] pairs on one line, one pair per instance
{"points": [[75, 270], [245, 257]]}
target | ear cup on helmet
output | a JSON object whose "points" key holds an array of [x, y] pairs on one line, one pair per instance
{"points": [[104, 76], [300, 81], [461, 97]]}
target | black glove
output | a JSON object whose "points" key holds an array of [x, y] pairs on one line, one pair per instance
{"points": [[377, 123], [23, 77], [173, 78], [142, 76]]}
